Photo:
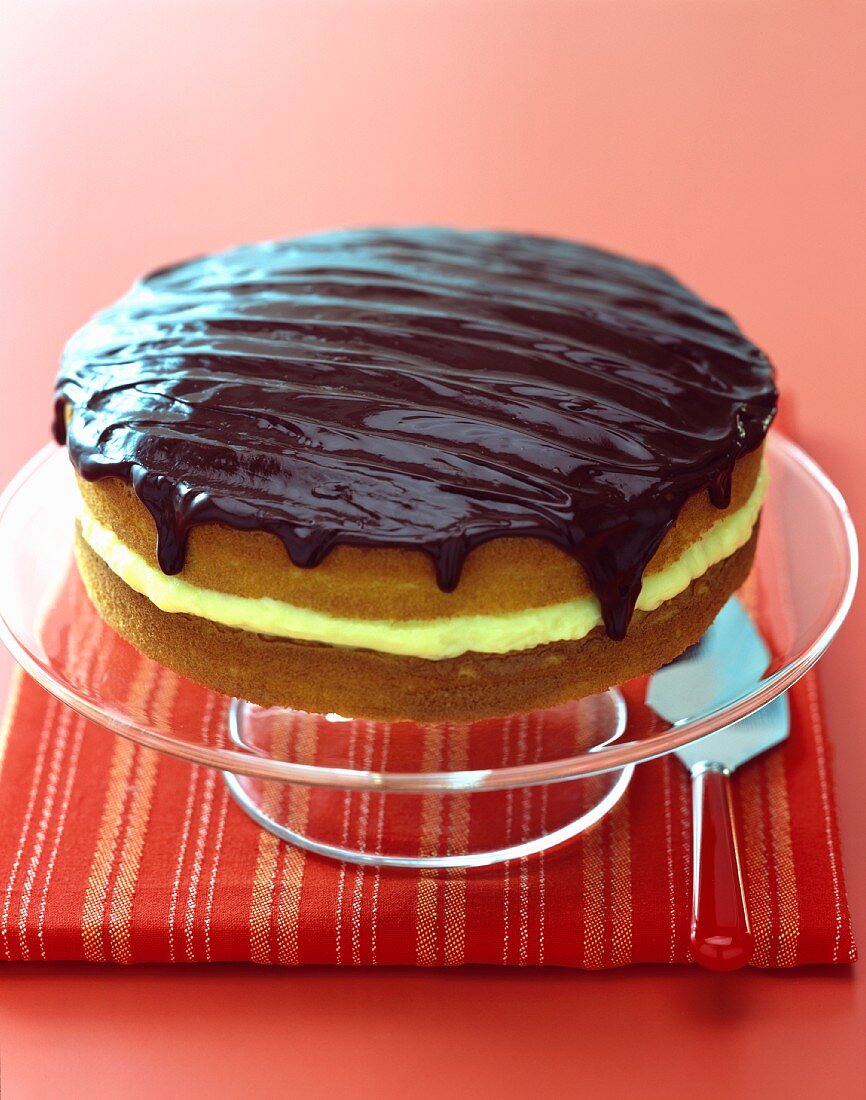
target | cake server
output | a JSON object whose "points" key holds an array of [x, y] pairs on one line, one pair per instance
{"points": [[729, 659]]}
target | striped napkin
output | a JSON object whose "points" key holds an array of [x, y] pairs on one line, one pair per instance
{"points": [[111, 852]]}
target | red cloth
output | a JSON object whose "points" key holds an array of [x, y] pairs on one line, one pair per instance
{"points": [[109, 851]]}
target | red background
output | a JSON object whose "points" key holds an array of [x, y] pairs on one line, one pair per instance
{"points": [[726, 140]]}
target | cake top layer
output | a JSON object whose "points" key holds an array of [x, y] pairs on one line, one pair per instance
{"points": [[421, 388]]}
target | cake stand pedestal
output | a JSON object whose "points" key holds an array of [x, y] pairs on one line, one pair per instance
{"points": [[476, 794]]}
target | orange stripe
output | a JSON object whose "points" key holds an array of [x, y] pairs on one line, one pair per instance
{"points": [[66, 798], [590, 846], [186, 827], [122, 757], [506, 870], [458, 842], [380, 832], [620, 890], [94, 659], [666, 769], [264, 879], [824, 781], [147, 767], [756, 862], [116, 882], [426, 909], [344, 840], [778, 801], [293, 872], [263, 884], [545, 792], [213, 735], [683, 783], [211, 890], [363, 820], [205, 811], [592, 853], [111, 821], [525, 820], [217, 843], [786, 872]]}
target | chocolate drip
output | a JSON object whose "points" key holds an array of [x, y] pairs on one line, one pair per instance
{"points": [[419, 388]]}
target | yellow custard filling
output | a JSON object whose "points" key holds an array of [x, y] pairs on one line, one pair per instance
{"points": [[433, 639]]}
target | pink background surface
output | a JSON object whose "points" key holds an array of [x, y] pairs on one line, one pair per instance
{"points": [[726, 140]]}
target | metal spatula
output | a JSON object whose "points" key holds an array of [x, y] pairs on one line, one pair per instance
{"points": [[728, 661]]}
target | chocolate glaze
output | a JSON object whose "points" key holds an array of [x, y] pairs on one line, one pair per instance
{"points": [[420, 388]]}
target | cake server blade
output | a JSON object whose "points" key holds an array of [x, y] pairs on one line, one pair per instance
{"points": [[734, 745], [726, 663], [729, 660]]}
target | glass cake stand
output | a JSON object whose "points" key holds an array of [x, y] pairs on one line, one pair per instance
{"points": [[400, 794]]}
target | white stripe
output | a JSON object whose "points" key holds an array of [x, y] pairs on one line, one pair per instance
{"points": [[526, 807], [198, 853], [192, 787], [218, 843], [380, 832], [47, 724], [539, 744], [823, 779], [74, 756], [51, 784], [667, 794], [509, 813], [96, 644], [344, 839], [363, 819]]}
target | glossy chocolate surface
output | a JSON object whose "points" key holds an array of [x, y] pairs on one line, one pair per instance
{"points": [[419, 388]]}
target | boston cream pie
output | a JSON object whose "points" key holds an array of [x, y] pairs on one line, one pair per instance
{"points": [[414, 473]]}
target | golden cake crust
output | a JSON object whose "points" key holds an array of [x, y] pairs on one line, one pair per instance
{"points": [[506, 574], [365, 684]]}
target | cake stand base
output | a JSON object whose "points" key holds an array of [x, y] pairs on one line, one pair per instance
{"points": [[447, 796]]}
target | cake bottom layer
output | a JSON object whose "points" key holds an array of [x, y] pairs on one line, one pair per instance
{"points": [[361, 683]]}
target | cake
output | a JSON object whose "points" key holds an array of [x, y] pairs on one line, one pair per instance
{"points": [[419, 474]]}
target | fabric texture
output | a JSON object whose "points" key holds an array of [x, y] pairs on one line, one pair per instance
{"points": [[112, 852]]}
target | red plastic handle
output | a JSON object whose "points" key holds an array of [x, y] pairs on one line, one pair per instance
{"points": [[721, 938]]}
